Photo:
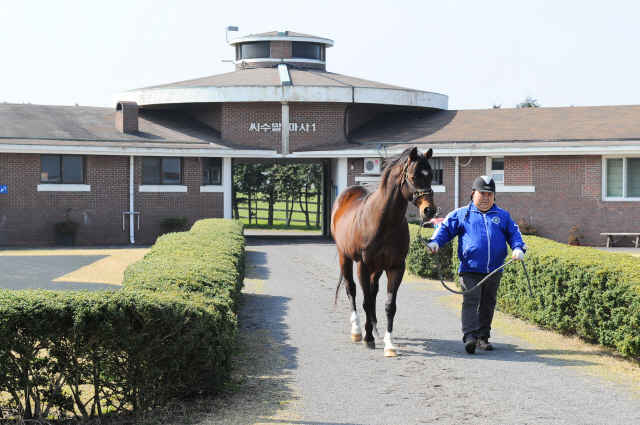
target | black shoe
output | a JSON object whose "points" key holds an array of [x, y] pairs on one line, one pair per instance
{"points": [[470, 345], [484, 344]]}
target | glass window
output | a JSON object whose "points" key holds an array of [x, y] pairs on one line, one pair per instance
{"points": [[436, 166], [259, 49], [62, 169], [151, 171], [303, 50], [622, 178], [633, 177], [212, 170], [497, 170], [614, 177], [161, 170]]}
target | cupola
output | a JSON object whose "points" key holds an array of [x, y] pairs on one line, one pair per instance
{"points": [[268, 49]]}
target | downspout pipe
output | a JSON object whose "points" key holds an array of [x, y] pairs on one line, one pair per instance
{"points": [[131, 173]]}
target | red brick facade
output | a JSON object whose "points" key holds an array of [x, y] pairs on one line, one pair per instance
{"points": [[27, 216], [568, 193], [310, 123]]}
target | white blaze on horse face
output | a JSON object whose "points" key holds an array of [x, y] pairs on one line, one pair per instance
{"points": [[355, 324]]}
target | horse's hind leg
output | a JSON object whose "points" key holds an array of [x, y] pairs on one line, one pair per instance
{"points": [[375, 279], [368, 304], [346, 265], [394, 277]]}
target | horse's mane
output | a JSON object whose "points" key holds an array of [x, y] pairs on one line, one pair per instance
{"points": [[392, 162]]}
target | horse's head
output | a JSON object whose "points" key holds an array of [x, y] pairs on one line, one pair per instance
{"points": [[416, 183]]}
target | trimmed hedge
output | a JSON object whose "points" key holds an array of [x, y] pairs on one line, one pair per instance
{"points": [[423, 264], [577, 290], [168, 333]]}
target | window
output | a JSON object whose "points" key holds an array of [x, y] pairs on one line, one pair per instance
{"points": [[302, 50], [436, 166], [622, 178], [496, 169], [259, 49], [212, 170], [62, 169], [161, 171]]}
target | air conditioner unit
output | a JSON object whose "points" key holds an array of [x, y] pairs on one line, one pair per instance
{"points": [[372, 165]]}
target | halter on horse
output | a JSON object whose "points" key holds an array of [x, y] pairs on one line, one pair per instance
{"points": [[371, 229]]}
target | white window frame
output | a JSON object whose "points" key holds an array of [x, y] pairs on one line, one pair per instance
{"points": [[624, 197], [490, 172]]}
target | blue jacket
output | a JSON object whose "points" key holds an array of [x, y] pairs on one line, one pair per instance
{"points": [[482, 237]]}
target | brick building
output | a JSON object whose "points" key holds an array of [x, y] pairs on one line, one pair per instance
{"points": [[169, 150]]}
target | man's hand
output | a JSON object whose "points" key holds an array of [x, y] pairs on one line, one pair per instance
{"points": [[432, 247], [518, 255]]}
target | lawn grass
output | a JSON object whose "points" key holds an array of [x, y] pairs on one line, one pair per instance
{"points": [[260, 221]]}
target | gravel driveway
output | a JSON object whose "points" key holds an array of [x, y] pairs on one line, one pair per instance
{"points": [[527, 379]]}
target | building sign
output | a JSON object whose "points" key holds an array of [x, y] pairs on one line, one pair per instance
{"points": [[3, 188], [277, 127]]}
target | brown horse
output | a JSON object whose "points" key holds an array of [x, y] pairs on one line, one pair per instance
{"points": [[371, 229]]}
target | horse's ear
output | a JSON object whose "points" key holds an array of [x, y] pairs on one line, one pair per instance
{"points": [[429, 154], [413, 155]]}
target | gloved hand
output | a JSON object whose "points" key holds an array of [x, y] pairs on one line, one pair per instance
{"points": [[518, 255], [432, 247]]}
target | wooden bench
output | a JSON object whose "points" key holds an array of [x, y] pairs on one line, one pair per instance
{"points": [[611, 242]]}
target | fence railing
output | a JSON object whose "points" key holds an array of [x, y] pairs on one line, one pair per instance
{"points": [[256, 217]]}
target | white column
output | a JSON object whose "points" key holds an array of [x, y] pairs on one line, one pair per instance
{"points": [[131, 218], [457, 184], [341, 174], [228, 187], [285, 128]]}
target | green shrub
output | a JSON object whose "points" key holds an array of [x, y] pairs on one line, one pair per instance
{"points": [[423, 264], [174, 222], [576, 290], [168, 333]]}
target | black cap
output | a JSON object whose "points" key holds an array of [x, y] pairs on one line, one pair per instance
{"points": [[484, 184]]}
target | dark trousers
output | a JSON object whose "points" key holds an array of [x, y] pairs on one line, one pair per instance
{"points": [[478, 307]]}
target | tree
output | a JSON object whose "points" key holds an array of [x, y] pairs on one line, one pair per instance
{"points": [[528, 103], [498, 106], [248, 179]]}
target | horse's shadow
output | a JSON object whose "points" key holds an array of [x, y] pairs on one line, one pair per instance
{"points": [[430, 347]]}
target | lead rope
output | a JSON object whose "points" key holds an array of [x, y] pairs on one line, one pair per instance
{"points": [[483, 280]]}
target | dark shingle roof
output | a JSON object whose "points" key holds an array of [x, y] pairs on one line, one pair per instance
{"points": [[270, 77], [504, 125]]}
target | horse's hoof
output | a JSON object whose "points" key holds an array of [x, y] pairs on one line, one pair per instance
{"points": [[370, 344], [390, 352], [356, 337]]}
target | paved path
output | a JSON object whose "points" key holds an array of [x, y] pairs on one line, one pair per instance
{"points": [[527, 379]]}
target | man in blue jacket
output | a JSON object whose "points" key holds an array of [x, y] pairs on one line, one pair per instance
{"points": [[483, 232]]}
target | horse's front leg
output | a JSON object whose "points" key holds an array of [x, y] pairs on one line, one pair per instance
{"points": [[394, 277], [375, 286], [346, 266], [367, 303]]}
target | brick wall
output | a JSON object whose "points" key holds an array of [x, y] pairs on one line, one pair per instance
{"points": [[281, 49], [327, 117], [359, 114], [209, 114], [27, 217], [568, 193], [155, 207]]}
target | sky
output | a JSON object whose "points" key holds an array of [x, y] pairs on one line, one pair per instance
{"points": [[479, 53]]}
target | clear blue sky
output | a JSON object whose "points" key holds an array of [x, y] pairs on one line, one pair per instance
{"points": [[562, 53]]}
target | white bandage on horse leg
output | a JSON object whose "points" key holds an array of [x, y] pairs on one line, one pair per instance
{"points": [[389, 349], [356, 330]]}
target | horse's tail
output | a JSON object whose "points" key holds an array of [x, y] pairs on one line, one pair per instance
{"points": [[340, 284]]}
